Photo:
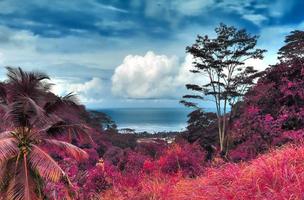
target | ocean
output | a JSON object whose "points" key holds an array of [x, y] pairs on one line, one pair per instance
{"points": [[151, 120]]}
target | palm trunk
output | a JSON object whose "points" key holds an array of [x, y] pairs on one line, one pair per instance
{"points": [[26, 187]]}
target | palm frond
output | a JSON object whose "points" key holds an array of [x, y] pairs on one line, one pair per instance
{"points": [[13, 73], [60, 102], [26, 83], [83, 130], [5, 175], [45, 165], [70, 98], [6, 134], [57, 128], [15, 189], [26, 112], [17, 74], [73, 130], [8, 149], [32, 106], [69, 148], [16, 114], [3, 94], [35, 111], [22, 185]]}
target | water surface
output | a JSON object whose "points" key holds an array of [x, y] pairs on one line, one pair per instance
{"points": [[149, 119]]}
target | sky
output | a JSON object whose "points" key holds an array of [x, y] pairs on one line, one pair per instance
{"points": [[120, 53]]}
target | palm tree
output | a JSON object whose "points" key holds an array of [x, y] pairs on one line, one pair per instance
{"points": [[73, 130], [25, 138]]}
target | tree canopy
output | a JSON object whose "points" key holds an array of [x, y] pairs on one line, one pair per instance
{"points": [[294, 46], [221, 63]]}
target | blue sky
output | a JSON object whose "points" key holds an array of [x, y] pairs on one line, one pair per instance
{"points": [[119, 53]]}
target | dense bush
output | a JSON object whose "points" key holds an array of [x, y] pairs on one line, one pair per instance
{"points": [[152, 149], [272, 112], [184, 158]]}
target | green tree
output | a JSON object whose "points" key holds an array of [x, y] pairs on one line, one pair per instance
{"points": [[221, 63]]}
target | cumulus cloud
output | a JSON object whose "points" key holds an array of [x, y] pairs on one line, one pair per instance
{"points": [[90, 91], [151, 76], [184, 75]]}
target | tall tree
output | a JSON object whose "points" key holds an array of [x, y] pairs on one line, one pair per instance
{"points": [[294, 47], [222, 61]]}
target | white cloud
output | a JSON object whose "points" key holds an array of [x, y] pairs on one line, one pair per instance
{"points": [[257, 64], [257, 19], [184, 75], [112, 8], [150, 76], [91, 91], [192, 7]]}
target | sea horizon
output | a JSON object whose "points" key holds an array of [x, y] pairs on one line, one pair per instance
{"points": [[150, 119]]}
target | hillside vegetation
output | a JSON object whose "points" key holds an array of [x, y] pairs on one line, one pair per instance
{"points": [[52, 148], [276, 175]]}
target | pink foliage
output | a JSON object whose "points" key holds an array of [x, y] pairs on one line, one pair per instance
{"points": [[277, 175], [272, 112], [185, 158]]}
